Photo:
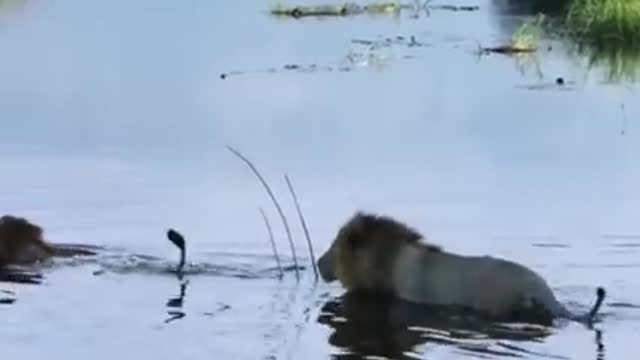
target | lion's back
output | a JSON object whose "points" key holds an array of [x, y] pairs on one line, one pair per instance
{"points": [[504, 285]]}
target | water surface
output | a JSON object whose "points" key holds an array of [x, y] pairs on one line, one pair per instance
{"points": [[114, 121]]}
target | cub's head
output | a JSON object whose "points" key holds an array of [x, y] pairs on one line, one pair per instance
{"points": [[20, 240], [364, 251]]}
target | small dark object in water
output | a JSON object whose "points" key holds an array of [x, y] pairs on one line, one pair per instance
{"points": [[223, 76], [508, 50], [178, 240], [456, 8], [559, 81], [291, 67], [296, 12], [302, 11], [7, 301]]}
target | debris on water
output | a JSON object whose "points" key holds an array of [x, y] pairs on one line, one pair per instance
{"points": [[7, 301], [455, 8], [353, 59], [564, 86], [560, 81], [524, 41], [352, 9], [507, 50], [369, 57], [390, 41], [287, 67]]}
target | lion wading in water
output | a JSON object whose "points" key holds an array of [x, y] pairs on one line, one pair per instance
{"points": [[22, 243], [378, 254]]}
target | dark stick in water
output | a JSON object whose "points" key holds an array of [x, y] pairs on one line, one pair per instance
{"points": [[275, 202], [178, 240], [304, 225]]}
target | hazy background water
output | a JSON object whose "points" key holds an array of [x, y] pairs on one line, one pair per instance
{"points": [[114, 120]]}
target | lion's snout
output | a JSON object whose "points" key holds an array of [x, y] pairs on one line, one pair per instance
{"points": [[326, 267]]}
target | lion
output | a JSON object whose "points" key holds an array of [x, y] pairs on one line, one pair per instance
{"points": [[378, 254], [22, 243]]}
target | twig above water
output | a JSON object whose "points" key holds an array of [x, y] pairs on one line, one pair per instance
{"points": [[271, 239], [275, 202], [304, 225]]}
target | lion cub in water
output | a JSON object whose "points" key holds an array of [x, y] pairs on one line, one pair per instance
{"points": [[21, 243], [379, 254]]}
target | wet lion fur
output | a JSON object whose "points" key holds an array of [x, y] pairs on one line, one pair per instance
{"points": [[373, 253], [22, 243]]}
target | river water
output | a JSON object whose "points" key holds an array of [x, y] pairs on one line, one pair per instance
{"points": [[114, 119]]}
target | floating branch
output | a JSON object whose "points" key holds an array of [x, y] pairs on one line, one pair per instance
{"points": [[273, 243], [507, 50], [275, 202], [526, 40], [304, 225]]}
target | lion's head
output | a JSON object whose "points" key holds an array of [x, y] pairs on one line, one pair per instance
{"points": [[20, 241], [362, 255]]}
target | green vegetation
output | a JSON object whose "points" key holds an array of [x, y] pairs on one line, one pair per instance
{"points": [[601, 21], [382, 7], [528, 34], [607, 34], [352, 8]]}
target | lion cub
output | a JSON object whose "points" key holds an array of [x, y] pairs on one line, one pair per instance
{"points": [[379, 254], [21, 243]]}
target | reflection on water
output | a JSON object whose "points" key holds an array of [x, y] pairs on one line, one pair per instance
{"points": [[20, 275], [366, 326], [614, 62], [600, 351], [531, 7], [176, 303]]}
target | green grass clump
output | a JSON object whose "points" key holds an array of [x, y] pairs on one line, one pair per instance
{"points": [[529, 33], [605, 20], [344, 9]]}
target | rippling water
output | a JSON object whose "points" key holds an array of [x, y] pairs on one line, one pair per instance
{"points": [[114, 120]]}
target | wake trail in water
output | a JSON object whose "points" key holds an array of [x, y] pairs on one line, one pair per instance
{"points": [[216, 264]]}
